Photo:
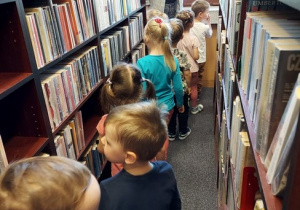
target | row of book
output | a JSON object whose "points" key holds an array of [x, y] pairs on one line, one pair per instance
{"points": [[268, 74], [231, 10], [58, 28], [109, 12], [138, 52], [67, 83], [70, 142]]}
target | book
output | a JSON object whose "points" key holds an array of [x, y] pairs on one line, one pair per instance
{"points": [[283, 138], [3, 158], [283, 76]]}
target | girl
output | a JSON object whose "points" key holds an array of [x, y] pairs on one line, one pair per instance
{"points": [[190, 45], [160, 66], [124, 86]]}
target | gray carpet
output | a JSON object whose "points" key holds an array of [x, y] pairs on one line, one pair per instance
{"points": [[193, 159]]}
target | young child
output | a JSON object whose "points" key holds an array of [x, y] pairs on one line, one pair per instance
{"points": [[184, 130], [48, 183], [124, 87], [160, 66], [152, 13], [133, 135], [190, 45], [201, 29]]}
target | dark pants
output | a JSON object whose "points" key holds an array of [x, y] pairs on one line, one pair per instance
{"points": [[170, 10], [182, 118]]}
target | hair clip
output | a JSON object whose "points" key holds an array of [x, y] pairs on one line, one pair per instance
{"points": [[143, 79], [159, 21], [165, 38], [108, 81]]}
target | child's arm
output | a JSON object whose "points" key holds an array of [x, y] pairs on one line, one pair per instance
{"points": [[195, 54], [209, 32]]}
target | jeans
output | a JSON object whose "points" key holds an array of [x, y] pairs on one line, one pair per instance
{"points": [[170, 10], [182, 118]]}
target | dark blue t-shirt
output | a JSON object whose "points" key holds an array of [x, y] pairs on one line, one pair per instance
{"points": [[156, 190]]}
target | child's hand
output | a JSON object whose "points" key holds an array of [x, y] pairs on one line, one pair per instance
{"points": [[208, 19], [181, 109]]}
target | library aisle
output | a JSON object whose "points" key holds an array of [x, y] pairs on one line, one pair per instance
{"points": [[193, 159]]}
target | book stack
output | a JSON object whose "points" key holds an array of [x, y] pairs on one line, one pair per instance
{"points": [[58, 28], [68, 82]]}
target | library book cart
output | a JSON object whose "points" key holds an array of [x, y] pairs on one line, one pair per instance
{"points": [[54, 57], [238, 185]]}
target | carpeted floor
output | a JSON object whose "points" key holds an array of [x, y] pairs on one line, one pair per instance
{"points": [[193, 159]]}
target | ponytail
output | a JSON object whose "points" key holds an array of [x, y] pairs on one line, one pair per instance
{"points": [[159, 31], [169, 59]]}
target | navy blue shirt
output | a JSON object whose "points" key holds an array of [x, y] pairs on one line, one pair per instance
{"points": [[156, 190]]}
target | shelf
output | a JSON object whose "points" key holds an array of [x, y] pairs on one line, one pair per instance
{"points": [[90, 131], [9, 82], [271, 201], [79, 105], [226, 111], [19, 147]]}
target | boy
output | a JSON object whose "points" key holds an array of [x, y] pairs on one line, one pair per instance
{"points": [[134, 134], [184, 130], [48, 183], [201, 29]]}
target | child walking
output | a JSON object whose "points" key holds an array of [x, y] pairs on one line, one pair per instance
{"points": [[201, 29], [184, 130], [160, 66], [133, 135], [124, 86], [190, 45], [48, 183]]}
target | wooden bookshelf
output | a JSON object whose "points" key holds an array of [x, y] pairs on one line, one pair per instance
{"points": [[292, 192], [271, 201], [25, 126]]}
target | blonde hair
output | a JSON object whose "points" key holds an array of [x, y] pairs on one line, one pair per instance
{"points": [[141, 128], [158, 32], [124, 86], [152, 13], [177, 30], [187, 18], [199, 6], [43, 183]]}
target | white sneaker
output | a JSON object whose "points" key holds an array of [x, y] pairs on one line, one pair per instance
{"points": [[197, 109]]}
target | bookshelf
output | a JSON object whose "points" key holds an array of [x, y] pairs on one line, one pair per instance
{"points": [[25, 123], [292, 192]]}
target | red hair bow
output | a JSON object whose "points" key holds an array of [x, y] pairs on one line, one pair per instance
{"points": [[159, 21]]}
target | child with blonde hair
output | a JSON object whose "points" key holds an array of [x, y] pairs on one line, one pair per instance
{"points": [[161, 67], [189, 43], [134, 134], [202, 30], [152, 13], [124, 86], [48, 183]]}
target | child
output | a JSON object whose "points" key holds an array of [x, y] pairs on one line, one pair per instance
{"points": [[133, 135], [152, 13], [124, 87], [48, 183], [160, 66], [190, 45], [184, 130], [201, 29]]}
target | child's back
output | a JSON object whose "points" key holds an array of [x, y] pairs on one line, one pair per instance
{"points": [[132, 138]]}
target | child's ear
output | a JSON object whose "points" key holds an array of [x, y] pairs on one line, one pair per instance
{"points": [[130, 158]]}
